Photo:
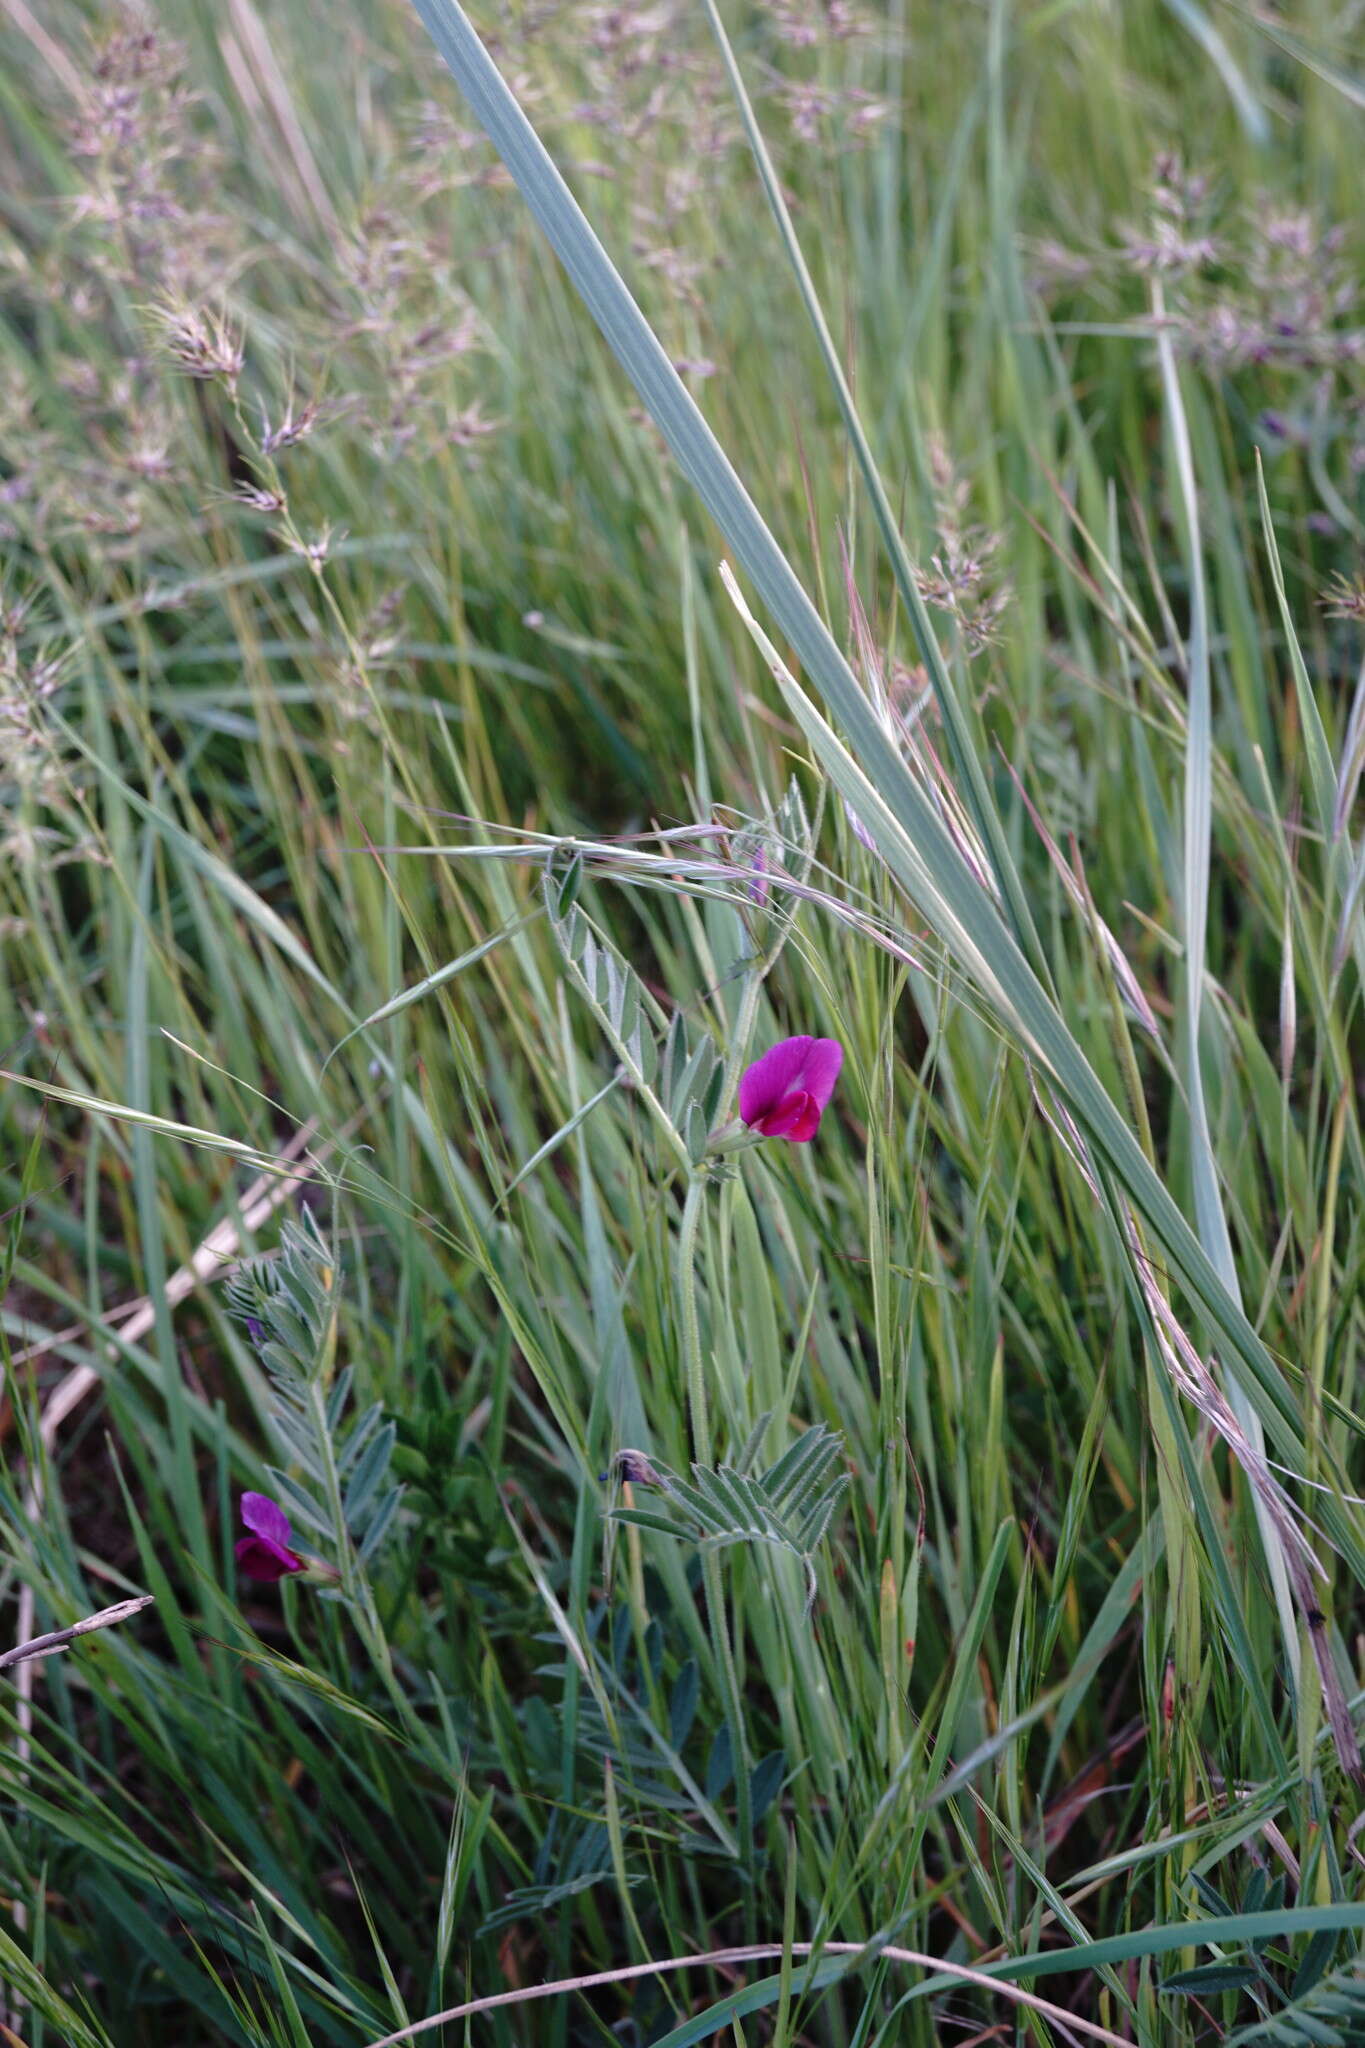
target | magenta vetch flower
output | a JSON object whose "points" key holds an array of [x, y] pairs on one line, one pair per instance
{"points": [[265, 1553], [785, 1094]]}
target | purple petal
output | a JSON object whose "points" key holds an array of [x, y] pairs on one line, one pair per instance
{"points": [[795, 1117], [821, 1071], [265, 1517], [259, 1558], [763, 1085], [804, 1126]]}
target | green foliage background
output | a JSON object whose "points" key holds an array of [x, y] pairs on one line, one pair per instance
{"points": [[390, 780]]}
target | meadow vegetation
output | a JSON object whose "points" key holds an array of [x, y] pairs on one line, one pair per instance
{"points": [[427, 787]]}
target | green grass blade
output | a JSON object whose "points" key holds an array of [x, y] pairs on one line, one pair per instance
{"points": [[966, 753]]}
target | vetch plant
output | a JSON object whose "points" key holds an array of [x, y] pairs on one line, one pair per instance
{"points": [[684, 1082], [425, 799], [334, 1469]]}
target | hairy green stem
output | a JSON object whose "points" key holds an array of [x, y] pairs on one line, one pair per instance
{"points": [[699, 1414]]}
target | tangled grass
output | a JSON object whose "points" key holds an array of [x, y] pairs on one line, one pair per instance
{"points": [[927, 1560]]}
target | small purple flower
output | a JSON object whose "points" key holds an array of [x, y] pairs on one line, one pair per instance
{"points": [[265, 1553], [784, 1094], [255, 1329]]}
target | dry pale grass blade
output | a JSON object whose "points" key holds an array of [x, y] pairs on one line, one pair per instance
{"points": [[758, 1952], [135, 1318], [61, 1638]]}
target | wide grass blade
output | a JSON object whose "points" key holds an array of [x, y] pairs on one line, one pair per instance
{"points": [[1208, 1200]]}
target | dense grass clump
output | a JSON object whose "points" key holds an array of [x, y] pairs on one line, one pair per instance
{"points": [[901, 1587]]}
